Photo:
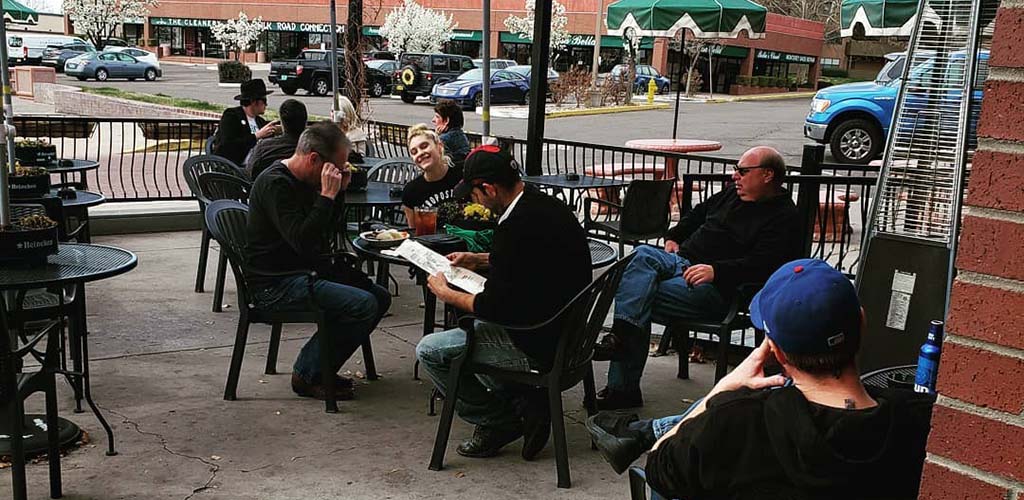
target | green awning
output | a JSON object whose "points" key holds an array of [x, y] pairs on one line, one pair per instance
{"points": [[704, 18], [15, 12], [881, 17], [719, 50], [467, 36], [607, 41], [371, 30]]}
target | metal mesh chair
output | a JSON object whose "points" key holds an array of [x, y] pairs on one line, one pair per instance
{"points": [[643, 215], [580, 322], [219, 186], [227, 220], [191, 170], [15, 386]]}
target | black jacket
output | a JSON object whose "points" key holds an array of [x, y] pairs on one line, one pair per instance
{"points": [[234, 139], [540, 261], [268, 151], [774, 444], [744, 241]]}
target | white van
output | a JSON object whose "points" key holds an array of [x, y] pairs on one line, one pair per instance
{"points": [[16, 50], [34, 44]]}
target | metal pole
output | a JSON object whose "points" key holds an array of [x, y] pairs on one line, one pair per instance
{"points": [[334, 63], [679, 85], [6, 131], [598, 17], [711, 77], [538, 80], [486, 70]]}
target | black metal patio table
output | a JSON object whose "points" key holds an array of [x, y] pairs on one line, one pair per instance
{"points": [[574, 184], [73, 266], [77, 208], [880, 378], [67, 166]]}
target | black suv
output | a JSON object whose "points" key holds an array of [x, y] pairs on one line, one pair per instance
{"points": [[418, 73]]}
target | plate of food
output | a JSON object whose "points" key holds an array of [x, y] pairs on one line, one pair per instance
{"points": [[384, 238]]}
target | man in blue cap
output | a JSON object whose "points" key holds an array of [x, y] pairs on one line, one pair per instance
{"points": [[813, 431]]}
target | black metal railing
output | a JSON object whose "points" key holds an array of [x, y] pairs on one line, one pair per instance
{"points": [[140, 159]]}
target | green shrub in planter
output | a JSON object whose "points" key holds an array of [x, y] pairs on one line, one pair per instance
{"points": [[233, 72], [742, 80], [835, 72]]}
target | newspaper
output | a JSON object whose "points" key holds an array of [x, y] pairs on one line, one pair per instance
{"points": [[433, 263]]}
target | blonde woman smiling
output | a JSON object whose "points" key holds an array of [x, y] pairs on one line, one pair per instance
{"points": [[439, 175]]}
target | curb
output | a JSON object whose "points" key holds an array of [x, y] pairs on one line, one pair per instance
{"points": [[607, 111], [766, 97]]}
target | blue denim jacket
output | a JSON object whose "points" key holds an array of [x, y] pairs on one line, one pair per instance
{"points": [[456, 145]]}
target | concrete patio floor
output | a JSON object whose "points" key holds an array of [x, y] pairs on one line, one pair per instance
{"points": [[159, 362]]}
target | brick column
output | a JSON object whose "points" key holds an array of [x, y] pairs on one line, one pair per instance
{"points": [[976, 446], [659, 57]]}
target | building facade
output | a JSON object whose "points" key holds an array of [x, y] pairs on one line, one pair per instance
{"points": [[791, 47]]}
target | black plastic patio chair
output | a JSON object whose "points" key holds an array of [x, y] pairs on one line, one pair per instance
{"points": [[643, 214], [580, 322], [16, 386], [191, 170], [227, 220], [219, 186]]}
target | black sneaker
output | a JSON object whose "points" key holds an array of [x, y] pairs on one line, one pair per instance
{"points": [[608, 349], [615, 443], [615, 399], [487, 442]]}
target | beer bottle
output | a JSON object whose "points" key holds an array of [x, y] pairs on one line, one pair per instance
{"points": [[928, 360]]}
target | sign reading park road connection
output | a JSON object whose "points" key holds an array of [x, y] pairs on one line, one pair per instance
{"points": [[269, 25]]}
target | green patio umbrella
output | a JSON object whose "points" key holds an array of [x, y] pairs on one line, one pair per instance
{"points": [[15, 12], [704, 18], [882, 17]]}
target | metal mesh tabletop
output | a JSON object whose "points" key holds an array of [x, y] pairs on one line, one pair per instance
{"points": [[73, 263], [60, 166], [880, 378], [583, 182], [82, 199], [601, 254], [376, 194]]}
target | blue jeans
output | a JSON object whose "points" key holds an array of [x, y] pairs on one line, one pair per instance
{"points": [[483, 400], [351, 315], [653, 289]]}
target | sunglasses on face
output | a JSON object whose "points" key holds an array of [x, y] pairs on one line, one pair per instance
{"points": [[743, 171]]}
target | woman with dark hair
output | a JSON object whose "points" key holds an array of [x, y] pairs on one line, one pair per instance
{"points": [[448, 124]]}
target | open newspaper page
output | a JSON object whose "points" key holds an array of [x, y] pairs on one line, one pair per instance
{"points": [[433, 263]]}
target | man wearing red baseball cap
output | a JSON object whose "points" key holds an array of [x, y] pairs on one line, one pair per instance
{"points": [[814, 431], [539, 261]]}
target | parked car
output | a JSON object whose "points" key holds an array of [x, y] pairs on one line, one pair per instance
{"points": [[114, 42], [56, 56], [311, 71], [142, 55], [495, 63], [379, 55], [386, 66], [525, 71], [32, 45], [106, 65], [644, 74], [854, 118], [467, 89], [16, 50], [419, 73]]}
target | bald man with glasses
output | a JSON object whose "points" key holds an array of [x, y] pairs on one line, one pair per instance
{"points": [[741, 234]]}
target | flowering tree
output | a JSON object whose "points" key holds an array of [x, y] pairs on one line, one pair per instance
{"points": [[411, 27], [99, 19], [238, 34], [523, 26]]}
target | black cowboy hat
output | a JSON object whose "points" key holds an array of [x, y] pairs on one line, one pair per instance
{"points": [[253, 89]]}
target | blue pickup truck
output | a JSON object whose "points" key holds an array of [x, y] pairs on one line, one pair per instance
{"points": [[854, 118]]}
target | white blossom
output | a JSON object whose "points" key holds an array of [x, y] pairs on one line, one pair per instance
{"points": [[411, 27], [523, 26], [238, 34], [99, 19]]}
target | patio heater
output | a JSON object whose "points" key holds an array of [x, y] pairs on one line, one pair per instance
{"points": [[906, 269]]}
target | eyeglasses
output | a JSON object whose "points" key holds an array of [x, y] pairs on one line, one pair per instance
{"points": [[743, 171]]}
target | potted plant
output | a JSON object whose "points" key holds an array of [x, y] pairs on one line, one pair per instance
{"points": [[29, 182], [29, 239], [233, 72], [34, 152]]}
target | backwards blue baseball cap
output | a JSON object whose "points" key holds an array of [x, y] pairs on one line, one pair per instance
{"points": [[808, 307]]}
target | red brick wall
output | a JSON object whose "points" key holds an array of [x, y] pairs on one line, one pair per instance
{"points": [[976, 447]]}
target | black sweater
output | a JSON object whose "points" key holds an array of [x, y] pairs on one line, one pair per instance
{"points": [[774, 444], [287, 224], [540, 261], [744, 241]]}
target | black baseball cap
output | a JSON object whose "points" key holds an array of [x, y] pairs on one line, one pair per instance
{"points": [[488, 164]]}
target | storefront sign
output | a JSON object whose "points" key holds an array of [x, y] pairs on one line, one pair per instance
{"points": [[269, 26], [457, 35], [729, 51], [607, 41], [772, 55]]}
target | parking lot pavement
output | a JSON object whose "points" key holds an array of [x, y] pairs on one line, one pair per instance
{"points": [[737, 125]]}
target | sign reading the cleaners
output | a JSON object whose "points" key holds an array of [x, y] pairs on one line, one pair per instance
{"points": [[269, 26], [772, 55]]}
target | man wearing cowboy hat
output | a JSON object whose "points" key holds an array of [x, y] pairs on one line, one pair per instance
{"points": [[242, 126]]}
